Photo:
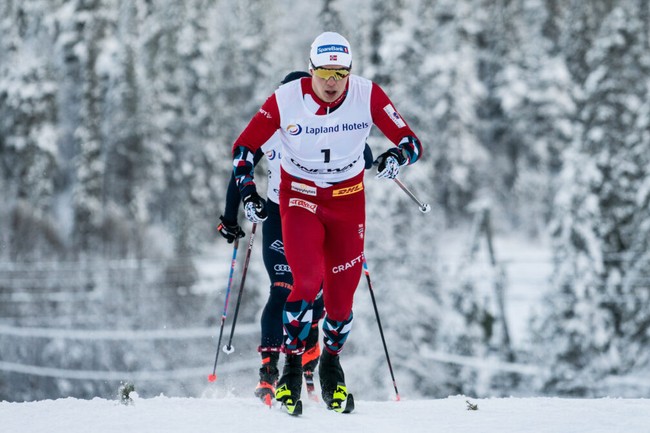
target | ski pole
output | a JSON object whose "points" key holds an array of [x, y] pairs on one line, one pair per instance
{"points": [[212, 377], [424, 207], [381, 331], [228, 347]]}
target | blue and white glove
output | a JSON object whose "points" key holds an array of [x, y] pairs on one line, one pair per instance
{"points": [[389, 162], [255, 208]]}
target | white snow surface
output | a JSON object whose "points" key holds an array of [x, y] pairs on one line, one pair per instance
{"points": [[237, 414]]}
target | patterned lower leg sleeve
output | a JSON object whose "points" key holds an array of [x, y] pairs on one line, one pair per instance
{"points": [[296, 318], [335, 333]]}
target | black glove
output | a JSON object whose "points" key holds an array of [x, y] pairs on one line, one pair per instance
{"points": [[389, 162], [255, 208], [230, 230]]}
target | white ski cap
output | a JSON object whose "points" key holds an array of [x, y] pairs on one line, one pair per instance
{"points": [[330, 48]]}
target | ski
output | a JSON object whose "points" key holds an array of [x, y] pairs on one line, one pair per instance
{"points": [[293, 409], [338, 406], [349, 404]]}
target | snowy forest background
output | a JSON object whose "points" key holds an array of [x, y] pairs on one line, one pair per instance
{"points": [[116, 123]]}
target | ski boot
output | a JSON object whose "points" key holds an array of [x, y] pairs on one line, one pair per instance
{"points": [[332, 382], [290, 384], [269, 373]]}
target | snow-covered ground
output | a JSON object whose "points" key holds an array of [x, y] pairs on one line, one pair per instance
{"points": [[233, 414]]}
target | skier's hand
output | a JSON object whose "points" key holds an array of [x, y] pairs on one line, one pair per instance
{"points": [[230, 230], [389, 162], [255, 208]]}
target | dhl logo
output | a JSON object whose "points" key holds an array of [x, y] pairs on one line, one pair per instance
{"points": [[347, 191]]}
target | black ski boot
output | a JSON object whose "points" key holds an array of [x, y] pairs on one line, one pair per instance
{"points": [[269, 373], [290, 385], [332, 382], [310, 361]]}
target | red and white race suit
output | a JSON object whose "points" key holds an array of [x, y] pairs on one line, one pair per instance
{"points": [[322, 200]]}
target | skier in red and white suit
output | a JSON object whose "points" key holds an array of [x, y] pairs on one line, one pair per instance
{"points": [[324, 122]]}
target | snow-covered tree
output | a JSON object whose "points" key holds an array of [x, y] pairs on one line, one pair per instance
{"points": [[29, 157], [82, 30], [533, 90], [595, 321]]}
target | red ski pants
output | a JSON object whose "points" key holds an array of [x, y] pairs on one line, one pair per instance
{"points": [[324, 231]]}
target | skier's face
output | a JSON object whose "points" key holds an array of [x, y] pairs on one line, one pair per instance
{"points": [[331, 88]]}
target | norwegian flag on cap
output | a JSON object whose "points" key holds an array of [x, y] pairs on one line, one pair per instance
{"points": [[333, 58]]}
